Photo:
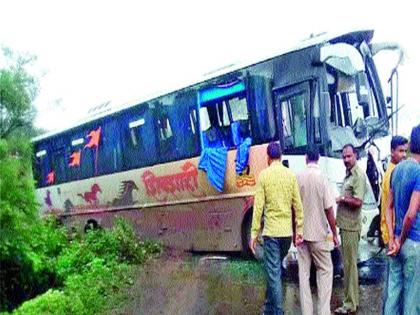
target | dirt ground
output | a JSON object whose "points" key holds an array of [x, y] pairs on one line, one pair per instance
{"points": [[183, 283]]}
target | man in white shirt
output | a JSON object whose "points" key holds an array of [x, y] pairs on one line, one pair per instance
{"points": [[318, 213]]}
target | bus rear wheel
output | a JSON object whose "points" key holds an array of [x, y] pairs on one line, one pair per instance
{"points": [[91, 225], [246, 238]]}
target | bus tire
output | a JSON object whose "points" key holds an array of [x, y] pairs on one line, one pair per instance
{"points": [[91, 225], [246, 238]]}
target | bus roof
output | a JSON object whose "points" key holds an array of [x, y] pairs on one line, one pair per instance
{"points": [[312, 40]]}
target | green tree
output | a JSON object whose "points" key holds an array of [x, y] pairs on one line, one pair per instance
{"points": [[22, 263], [18, 89]]}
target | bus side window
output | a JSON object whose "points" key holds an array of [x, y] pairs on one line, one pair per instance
{"points": [[76, 157], [134, 130], [261, 109], [287, 123], [294, 121], [239, 109], [210, 126], [38, 170], [164, 133], [195, 145], [182, 119], [59, 165], [109, 151], [41, 167], [138, 138], [165, 130], [225, 123], [87, 166], [316, 114], [224, 118]]}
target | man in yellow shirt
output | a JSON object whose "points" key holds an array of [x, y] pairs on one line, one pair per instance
{"points": [[399, 147], [278, 193]]}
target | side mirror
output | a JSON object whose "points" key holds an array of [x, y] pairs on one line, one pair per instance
{"points": [[362, 90]]}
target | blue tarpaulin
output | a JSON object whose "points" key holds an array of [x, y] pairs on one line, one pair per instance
{"points": [[213, 162], [242, 155]]}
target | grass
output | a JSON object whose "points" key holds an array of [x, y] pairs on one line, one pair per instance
{"points": [[246, 271]]}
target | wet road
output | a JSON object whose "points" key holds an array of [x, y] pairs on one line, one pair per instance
{"points": [[181, 283]]}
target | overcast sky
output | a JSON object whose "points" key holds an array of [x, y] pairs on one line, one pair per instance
{"points": [[90, 52]]}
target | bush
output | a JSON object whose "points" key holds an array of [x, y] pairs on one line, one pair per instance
{"points": [[88, 293], [120, 244], [93, 269], [80, 253], [29, 268], [99, 285], [51, 302], [130, 250]]}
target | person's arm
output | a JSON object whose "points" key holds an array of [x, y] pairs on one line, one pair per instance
{"points": [[389, 213], [393, 245], [331, 221], [384, 204], [410, 216], [297, 214], [328, 202], [259, 201], [351, 201], [359, 189]]}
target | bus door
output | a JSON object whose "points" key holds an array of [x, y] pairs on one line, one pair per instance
{"points": [[291, 110]]}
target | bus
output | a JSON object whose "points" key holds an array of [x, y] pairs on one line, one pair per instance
{"points": [[182, 166]]}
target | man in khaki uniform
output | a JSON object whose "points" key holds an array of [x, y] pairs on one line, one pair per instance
{"points": [[318, 214], [349, 206]]}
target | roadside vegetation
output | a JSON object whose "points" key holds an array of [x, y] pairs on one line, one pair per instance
{"points": [[246, 271], [92, 272], [44, 269]]}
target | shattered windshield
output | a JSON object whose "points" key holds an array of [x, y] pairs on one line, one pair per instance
{"points": [[353, 111], [350, 122]]}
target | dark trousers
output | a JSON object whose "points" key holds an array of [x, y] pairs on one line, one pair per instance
{"points": [[274, 252]]}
